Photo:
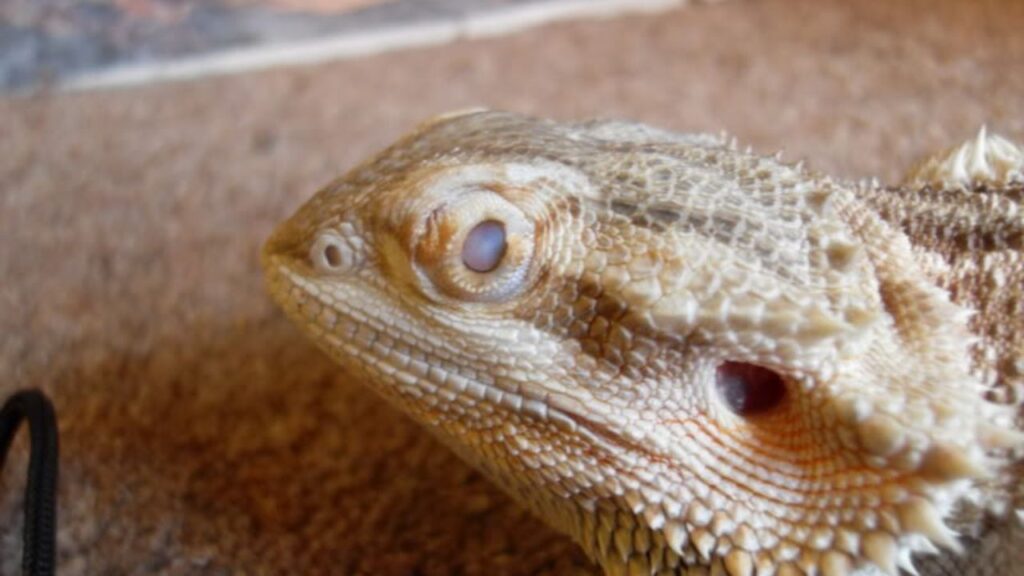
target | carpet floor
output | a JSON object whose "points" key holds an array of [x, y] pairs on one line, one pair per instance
{"points": [[201, 434]]}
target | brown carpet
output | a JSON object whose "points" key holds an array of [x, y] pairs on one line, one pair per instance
{"points": [[202, 435]]}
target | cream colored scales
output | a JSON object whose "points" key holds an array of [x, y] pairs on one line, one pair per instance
{"points": [[691, 359]]}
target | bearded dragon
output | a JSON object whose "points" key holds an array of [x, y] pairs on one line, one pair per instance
{"points": [[690, 358]]}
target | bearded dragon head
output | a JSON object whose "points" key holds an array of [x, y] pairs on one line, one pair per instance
{"points": [[685, 356]]}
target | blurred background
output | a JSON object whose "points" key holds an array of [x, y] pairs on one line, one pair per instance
{"points": [[147, 147]]}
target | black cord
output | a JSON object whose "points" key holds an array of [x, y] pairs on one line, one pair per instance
{"points": [[38, 546]]}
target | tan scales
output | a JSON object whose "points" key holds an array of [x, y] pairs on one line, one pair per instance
{"points": [[583, 372]]}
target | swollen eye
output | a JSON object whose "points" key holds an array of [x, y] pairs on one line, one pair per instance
{"points": [[484, 246], [749, 389]]}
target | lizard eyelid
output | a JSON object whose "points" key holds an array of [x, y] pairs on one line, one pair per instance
{"points": [[484, 246]]}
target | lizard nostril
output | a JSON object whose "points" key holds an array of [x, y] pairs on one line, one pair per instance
{"points": [[749, 389], [332, 255]]}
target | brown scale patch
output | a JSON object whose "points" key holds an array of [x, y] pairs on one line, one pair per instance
{"points": [[623, 207], [646, 222], [573, 206], [665, 213], [606, 329], [432, 245], [942, 219]]}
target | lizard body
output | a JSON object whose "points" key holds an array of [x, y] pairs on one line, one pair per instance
{"points": [[691, 359]]}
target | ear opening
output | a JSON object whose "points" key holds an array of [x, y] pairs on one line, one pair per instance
{"points": [[749, 389]]}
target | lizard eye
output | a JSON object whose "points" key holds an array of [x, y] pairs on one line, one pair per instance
{"points": [[477, 247], [485, 246]]}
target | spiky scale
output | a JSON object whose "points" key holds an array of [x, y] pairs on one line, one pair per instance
{"points": [[880, 548], [739, 563]]}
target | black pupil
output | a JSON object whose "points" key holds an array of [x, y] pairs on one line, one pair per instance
{"points": [[749, 389]]}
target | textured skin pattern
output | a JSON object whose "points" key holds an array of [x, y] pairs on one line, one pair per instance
{"points": [[581, 373]]}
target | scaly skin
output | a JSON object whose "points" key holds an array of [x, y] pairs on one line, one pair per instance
{"points": [[647, 273]]}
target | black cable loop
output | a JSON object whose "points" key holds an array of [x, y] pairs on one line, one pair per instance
{"points": [[40, 535]]}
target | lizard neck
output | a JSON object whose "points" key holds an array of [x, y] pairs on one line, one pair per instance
{"points": [[970, 242]]}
